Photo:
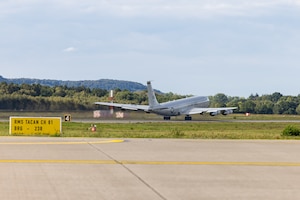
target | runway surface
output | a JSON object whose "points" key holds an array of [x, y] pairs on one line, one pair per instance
{"points": [[91, 168]]}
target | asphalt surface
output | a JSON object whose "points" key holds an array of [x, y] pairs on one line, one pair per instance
{"points": [[90, 168]]}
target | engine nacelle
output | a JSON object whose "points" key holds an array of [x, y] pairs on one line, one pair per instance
{"points": [[214, 113], [226, 112]]}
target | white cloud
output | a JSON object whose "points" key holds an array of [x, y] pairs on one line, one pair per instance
{"points": [[70, 49], [182, 8], [150, 8]]}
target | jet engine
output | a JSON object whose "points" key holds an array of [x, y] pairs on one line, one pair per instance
{"points": [[214, 113], [226, 112]]}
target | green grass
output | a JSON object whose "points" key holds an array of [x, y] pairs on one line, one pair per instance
{"points": [[177, 128], [4, 115], [201, 130]]}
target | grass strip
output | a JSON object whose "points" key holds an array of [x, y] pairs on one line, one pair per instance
{"points": [[201, 130]]}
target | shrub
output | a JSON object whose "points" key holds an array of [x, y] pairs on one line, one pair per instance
{"points": [[291, 131]]}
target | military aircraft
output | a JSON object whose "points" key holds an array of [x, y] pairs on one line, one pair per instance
{"points": [[186, 106]]}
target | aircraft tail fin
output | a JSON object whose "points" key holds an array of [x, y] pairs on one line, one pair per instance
{"points": [[151, 96]]}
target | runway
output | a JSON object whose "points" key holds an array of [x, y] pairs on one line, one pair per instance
{"points": [[93, 168], [125, 121]]}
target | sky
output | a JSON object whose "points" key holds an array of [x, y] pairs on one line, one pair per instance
{"points": [[187, 47]]}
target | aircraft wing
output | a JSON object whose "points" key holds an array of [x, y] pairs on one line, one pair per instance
{"points": [[125, 106], [208, 110]]}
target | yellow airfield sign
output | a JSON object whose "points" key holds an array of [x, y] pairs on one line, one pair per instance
{"points": [[34, 125]]}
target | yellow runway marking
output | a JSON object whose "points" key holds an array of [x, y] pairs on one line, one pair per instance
{"points": [[209, 163], [127, 162], [58, 143], [61, 161]]}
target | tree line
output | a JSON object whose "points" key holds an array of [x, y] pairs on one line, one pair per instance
{"points": [[275, 103], [101, 83], [37, 97]]}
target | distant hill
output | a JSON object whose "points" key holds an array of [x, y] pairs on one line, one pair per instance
{"points": [[107, 84]]}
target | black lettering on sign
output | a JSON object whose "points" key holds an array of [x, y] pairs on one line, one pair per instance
{"points": [[31, 121], [18, 128], [18, 121], [38, 128]]}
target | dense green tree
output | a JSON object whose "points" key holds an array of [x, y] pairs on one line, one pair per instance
{"points": [[59, 91], [286, 105], [247, 106], [46, 91], [99, 92], [39, 97], [125, 96], [219, 100], [12, 88], [298, 109], [253, 97], [264, 107], [275, 97], [233, 101]]}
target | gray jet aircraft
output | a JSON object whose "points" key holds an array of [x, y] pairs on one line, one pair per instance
{"points": [[187, 106]]}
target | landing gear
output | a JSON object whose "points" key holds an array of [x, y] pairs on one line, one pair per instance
{"points": [[188, 118], [167, 117]]}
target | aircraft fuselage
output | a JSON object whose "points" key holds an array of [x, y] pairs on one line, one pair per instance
{"points": [[177, 107]]}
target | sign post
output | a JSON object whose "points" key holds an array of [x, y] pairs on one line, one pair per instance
{"points": [[67, 117], [35, 125]]}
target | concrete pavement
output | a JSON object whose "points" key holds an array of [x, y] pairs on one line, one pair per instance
{"points": [[93, 168]]}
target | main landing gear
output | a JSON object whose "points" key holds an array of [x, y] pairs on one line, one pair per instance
{"points": [[188, 118], [167, 117]]}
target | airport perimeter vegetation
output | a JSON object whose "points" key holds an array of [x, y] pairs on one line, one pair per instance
{"points": [[141, 125]]}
